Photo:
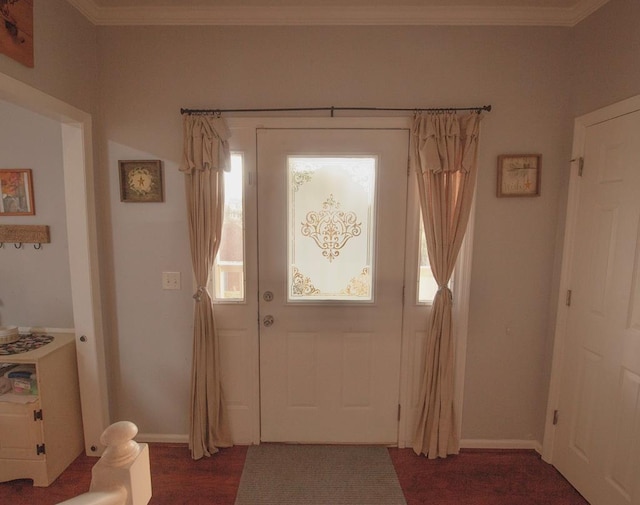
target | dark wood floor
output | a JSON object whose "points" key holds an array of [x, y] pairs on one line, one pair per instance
{"points": [[470, 478]]}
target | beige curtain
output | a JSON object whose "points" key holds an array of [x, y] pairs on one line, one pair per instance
{"points": [[206, 155], [444, 157]]}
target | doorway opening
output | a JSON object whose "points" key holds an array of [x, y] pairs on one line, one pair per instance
{"points": [[77, 150]]}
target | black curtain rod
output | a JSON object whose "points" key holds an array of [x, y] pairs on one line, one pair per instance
{"points": [[333, 109]]}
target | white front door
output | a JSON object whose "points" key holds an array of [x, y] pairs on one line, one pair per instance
{"points": [[331, 221], [597, 442]]}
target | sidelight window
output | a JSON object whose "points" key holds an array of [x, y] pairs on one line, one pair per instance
{"points": [[427, 285], [229, 268]]}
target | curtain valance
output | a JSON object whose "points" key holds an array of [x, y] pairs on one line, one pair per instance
{"points": [[206, 143], [446, 142]]}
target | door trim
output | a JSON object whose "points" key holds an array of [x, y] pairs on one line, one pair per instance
{"points": [[462, 273], [77, 160], [581, 124]]}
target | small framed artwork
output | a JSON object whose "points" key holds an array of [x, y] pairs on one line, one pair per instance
{"points": [[16, 30], [16, 192], [519, 174], [141, 181]]}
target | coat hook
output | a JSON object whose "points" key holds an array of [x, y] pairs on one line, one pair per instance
{"points": [[37, 246], [18, 245], [1, 245]]}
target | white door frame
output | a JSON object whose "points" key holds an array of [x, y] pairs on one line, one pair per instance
{"points": [[580, 127], [77, 153], [462, 274]]}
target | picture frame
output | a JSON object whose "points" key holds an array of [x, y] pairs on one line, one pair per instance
{"points": [[16, 30], [141, 181], [519, 175], [16, 192]]}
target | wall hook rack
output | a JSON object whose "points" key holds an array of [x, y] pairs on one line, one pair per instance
{"points": [[24, 234]]}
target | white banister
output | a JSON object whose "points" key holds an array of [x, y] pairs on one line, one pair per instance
{"points": [[122, 476], [115, 497]]}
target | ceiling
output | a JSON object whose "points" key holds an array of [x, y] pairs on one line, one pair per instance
{"points": [[337, 12]]}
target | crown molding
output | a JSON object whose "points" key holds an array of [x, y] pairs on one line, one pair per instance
{"points": [[584, 9], [341, 15]]}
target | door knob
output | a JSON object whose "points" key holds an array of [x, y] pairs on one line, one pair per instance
{"points": [[268, 320]]}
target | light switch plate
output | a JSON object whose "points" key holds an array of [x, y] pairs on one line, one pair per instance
{"points": [[170, 280]]}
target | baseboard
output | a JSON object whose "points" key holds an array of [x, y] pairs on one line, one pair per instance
{"points": [[464, 443], [501, 444], [160, 438], [176, 439]]}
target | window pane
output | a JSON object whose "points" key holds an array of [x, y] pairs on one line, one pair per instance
{"points": [[331, 211], [427, 285], [229, 266]]}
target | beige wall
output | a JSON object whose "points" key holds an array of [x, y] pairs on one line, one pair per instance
{"points": [[65, 68], [64, 53], [534, 78], [148, 73], [35, 286], [606, 62]]}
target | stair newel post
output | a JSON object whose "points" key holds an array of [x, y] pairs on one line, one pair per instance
{"points": [[124, 464], [122, 475]]}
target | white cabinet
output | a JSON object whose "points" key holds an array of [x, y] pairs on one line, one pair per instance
{"points": [[38, 440]]}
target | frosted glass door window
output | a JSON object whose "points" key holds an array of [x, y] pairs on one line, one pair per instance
{"points": [[331, 210]]}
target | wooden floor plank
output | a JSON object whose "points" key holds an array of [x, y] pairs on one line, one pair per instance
{"points": [[474, 477]]}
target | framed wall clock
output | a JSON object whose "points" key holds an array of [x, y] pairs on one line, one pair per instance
{"points": [[141, 181], [519, 175]]}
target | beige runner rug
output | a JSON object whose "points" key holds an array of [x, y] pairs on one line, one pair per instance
{"points": [[278, 474]]}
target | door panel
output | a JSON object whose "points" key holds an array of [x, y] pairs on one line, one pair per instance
{"points": [[330, 365], [598, 438], [236, 320]]}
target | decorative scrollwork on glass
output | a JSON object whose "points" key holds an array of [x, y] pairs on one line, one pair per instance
{"points": [[300, 177], [358, 286], [331, 228], [302, 286]]}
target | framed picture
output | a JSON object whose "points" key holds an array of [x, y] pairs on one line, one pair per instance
{"points": [[16, 192], [519, 174], [16, 30], [141, 181]]}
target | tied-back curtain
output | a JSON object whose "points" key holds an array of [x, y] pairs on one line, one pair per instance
{"points": [[444, 157], [206, 155]]}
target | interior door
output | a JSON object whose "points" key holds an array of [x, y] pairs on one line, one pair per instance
{"points": [[331, 221], [597, 444]]}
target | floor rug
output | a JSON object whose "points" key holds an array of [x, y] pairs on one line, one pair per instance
{"points": [[279, 474]]}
